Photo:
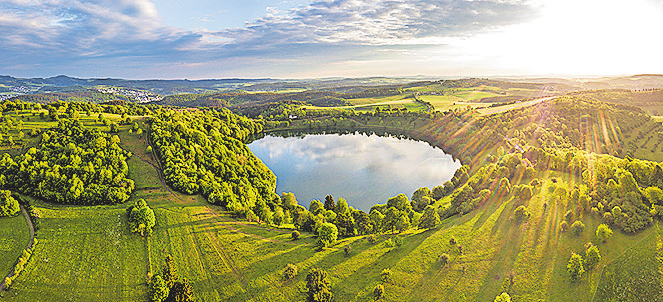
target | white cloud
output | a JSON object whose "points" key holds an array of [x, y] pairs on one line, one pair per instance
{"points": [[129, 35]]}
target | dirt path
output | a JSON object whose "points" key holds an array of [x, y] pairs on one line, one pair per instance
{"points": [[159, 169], [30, 242]]}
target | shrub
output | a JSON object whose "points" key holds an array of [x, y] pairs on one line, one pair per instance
{"points": [[295, 235], [575, 267], [327, 234], [347, 250], [564, 226], [385, 275], [569, 216], [577, 227], [158, 289], [378, 292], [444, 259], [372, 238], [452, 241], [290, 271], [398, 241], [603, 232], [503, 297], [521, 213], [592, 257], [319, 286]]}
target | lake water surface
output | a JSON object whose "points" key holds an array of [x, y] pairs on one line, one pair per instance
{"points": [[363, 169]]}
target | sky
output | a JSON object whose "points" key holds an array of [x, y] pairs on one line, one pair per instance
{"points": [[197, 39]]}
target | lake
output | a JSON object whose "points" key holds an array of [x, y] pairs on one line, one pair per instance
{"points": [[364, 169]]}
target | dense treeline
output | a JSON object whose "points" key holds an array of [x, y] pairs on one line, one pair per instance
{"points": [[235, 99], [58, 108], [202, 152], [71, 165], [641, 98], [79, 96]]}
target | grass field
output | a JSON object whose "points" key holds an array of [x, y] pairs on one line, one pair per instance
{"points": [[88, 254], [86, 248], [14, 236]]}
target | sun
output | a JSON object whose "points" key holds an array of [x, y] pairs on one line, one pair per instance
{"points": [[570, 37]]}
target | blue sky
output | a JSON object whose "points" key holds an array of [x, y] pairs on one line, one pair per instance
{"points": [[197, 39]]}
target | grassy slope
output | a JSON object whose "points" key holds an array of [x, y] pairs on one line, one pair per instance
{"points": [[14, 235], [87, 253]]}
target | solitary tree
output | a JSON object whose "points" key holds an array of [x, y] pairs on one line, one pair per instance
{"points": [[603, 232], [141, 217], [592, 256], [319, 286], [577, 227], [385, 275], [158, 289], [290, 271], [575, 267], [181, 291], [503, 297], [327, 234], [521, 213], [169, 272], [444, 259], [378, 292]]}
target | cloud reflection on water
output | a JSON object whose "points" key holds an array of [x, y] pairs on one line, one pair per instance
{"points": [[363, 169]]}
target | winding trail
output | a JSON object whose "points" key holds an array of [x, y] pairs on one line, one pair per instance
{"points": [[30, 242]]}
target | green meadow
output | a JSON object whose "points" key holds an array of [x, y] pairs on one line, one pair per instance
{"points": [[88, 253]]}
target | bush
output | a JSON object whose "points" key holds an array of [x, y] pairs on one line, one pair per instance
{"points": [[385, 275], [521, 213], [603, 232], [295, 235], [564, 226], [575, 267], [141, 217], [569, 216], [452, 241], [319, 286], [290, 271], [444, 259], [372, 238], [378, 292], [158, 289], [577, 227], [398, 241], [503, 297]]}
